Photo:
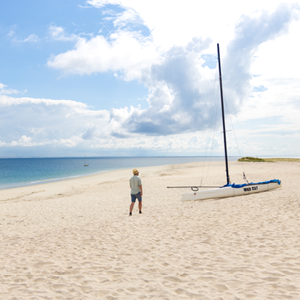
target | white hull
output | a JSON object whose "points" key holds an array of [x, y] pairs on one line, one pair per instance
{"points": [[224, 192]]}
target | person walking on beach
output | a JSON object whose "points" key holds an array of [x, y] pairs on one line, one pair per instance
{"points": [[135, 183]]}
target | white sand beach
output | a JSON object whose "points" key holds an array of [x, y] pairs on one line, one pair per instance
{"points": [[74, 239]]}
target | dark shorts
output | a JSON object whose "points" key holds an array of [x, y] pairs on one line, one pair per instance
{"points": [[136, 196]]}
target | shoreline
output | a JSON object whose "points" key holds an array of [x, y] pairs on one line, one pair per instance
{"points": [[92, 178], [103, 167], [93, 172], [46, 181]]}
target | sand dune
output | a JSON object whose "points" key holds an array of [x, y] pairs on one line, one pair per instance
{"points": [[74, 239]]}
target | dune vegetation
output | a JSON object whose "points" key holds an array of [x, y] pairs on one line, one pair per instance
{"points": [[256, 159]]}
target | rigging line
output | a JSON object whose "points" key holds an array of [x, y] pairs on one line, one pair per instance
{"points": [[212, 129], [204, 161], [217, 103], [216, 109], [231, 123], [236, 141], [214, 118]]}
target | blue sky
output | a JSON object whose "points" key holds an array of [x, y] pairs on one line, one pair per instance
{"points": [[129, 77], [27, 45]]}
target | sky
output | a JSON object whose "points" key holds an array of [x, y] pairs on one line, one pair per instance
{"points": [[140, 78]]}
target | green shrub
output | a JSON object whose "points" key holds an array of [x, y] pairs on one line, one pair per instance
{"points": [[254, 159]]}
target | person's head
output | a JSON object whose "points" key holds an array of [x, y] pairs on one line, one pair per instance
{"points": [[135, 172]]}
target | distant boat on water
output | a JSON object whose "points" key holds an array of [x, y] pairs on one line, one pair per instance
{"points": [[85, 164]]}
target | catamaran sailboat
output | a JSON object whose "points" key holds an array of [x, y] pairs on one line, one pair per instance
{"points": [[229, 190]]}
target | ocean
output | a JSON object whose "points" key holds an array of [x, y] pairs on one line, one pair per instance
{"points": [[17, 172]]}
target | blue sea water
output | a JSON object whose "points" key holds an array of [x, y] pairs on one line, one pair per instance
{"points": [[17, 172]]}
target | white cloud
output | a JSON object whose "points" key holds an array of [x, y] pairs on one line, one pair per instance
{"points": [[69, 124], [45, 121], [5, 91], [125, 52], [180, 86], [127, 17], [101, 3], [23, 141], [58, 33], [11, 33], [171, 63], [176, 23], [32, 38]]}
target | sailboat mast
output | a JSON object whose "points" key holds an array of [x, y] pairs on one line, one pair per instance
{"points": [[223, 117]]}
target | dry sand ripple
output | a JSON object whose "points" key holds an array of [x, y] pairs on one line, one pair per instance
{"points": [[75, 240]]}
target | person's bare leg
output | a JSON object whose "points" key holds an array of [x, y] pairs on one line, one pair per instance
{"points": [[140, 206], [131, 207]]}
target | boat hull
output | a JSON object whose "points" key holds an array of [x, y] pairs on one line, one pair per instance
{"points": [[229, 191]]}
